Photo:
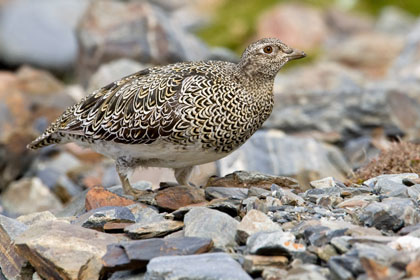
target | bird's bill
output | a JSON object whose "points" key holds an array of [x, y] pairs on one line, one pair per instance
{"points": [[296, 54]]}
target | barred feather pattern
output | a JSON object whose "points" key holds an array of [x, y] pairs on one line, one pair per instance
{"points": [[183, 103]]}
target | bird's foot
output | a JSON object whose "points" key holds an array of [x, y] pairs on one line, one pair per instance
{"points": [[138, 194]]}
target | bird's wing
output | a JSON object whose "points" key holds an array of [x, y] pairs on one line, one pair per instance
{"points": [[137, 109]]}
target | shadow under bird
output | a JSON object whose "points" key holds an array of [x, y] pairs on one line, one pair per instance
{"points": [[175, 116]]}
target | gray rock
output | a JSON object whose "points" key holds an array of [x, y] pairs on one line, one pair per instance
{"points": [[390, 188], [390, 214], [297, 154], [153, 229], [394, 20], [41, 33], [221, 192], [136, 254], [128, 34], [307, 272], [323, 183], [414, 192], [215, 266], [98, 217], [208, 223], [75, 207], [29, 195], [34, 218], [273, 243], [396, 178], [112, 71], [144, 215], [253, 222], [254, 264], [258, 192]]}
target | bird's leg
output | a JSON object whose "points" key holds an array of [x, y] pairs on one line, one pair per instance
{"points": [[128, 189], [183, 174]]}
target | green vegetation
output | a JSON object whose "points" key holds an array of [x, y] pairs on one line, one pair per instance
{"points": [[375, 6]]}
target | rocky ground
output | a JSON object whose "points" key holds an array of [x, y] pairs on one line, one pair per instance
{"points": [[242, 226], [63, 214]]}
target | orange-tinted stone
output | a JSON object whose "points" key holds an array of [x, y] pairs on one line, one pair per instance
{"points": [[99, 197], [176, 197], [413, 268]]}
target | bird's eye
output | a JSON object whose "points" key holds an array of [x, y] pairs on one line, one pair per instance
{"points": [[268, 49]]}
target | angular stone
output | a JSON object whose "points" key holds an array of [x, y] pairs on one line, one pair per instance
{"points": [[254, 264], [99, 197], [214, 266], [276, 243], [176, 197], [258, 192], [307, 271], [390, 188], [325, 252], [390, 214], [145, 214], [222, 192], [29, 195], [356, 202], [245, 179], [59, 250], [397, 178], [271, 273], [153, 229], [413, 268], [321, 235], [98, 217], [324, 183], [253, 222], [406, 243], [136, 254], [37, 217], [208, 223], [11, 264]]}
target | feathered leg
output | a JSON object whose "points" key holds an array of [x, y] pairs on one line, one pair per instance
{"points": [[182, 175]]}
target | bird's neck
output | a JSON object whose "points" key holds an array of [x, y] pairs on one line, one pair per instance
{"points": [[257, 83]]}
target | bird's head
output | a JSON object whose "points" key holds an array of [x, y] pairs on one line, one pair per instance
{"points": [[266, 57]]}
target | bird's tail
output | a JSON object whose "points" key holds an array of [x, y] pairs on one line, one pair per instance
{"points": [[45, 139]]}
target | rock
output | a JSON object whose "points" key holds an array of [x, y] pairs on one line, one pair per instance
{"points": [[49, 26], [29, 195], [12, 266], [254, 264], [280, 22], [206, 266], [298, 154], [34, 218], [58, 249], [98, 217], [287, 196], [271, 273], [376, 58], [413, 268], [154, 229], [258, 192], [396, 178], [394, 20], [356, 202], [222, 192], [406, 243], [390, 214], [75, 207], [404, 65], [114, 37], [321, 235], [246, 179], [136, 254], [144, 214], [99, 197], [346, 23], [389, 188], [307, 271], [176, 197], [253, 222], [325, 252], [275, 243], [208, 223], [112, 71], [323, 183]]}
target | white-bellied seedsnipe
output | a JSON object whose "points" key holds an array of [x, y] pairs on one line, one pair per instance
{"points": [[175, 116]]}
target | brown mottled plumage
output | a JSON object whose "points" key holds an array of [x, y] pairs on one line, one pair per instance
{"points": [[175, 116]]}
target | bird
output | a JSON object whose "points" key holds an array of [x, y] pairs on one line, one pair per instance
{"points": [[175, 116]]}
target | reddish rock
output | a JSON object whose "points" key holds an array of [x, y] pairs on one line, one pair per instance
{"points": [[179, 196], [413, 268], [281, 22], [99, 197]]}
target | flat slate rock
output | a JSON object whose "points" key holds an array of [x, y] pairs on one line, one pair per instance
{"points": [[253, 222], [58, 250], [11, 264], [153, 229], [176, 197], [99, 197], [214, 266], [222, 192], [136, 254], [209, 223], [276, 243], [98, 217]]}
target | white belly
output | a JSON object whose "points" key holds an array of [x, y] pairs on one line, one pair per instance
{"points": [[159, 153]]}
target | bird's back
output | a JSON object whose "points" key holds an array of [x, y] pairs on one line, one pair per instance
{"points": [[183, 104]]}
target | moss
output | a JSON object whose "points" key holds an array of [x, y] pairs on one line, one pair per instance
{"points": [[402, 157]]}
